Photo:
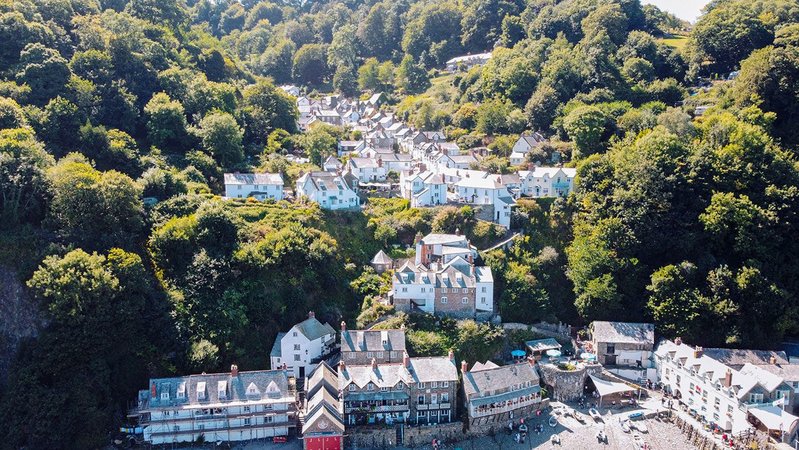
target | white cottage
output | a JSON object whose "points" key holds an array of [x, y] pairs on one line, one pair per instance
{"points": [[301, 349], [261, 186]]}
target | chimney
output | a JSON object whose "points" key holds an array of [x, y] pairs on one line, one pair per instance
{"points": [[530, 166], [457, 231], [374, 364], [464, 366], [406, 360], [153, 393], [311, 315], [728, 378], [380, 162], [343, 326], [299, 175], [698, 352], [678, 340], [341, 366], [451, 355], [402, 327], [234, 370], [773, 360]]}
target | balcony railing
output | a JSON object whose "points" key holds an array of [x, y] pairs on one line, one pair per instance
{"points": [[375, 409], [425, 407], [503, 409]]}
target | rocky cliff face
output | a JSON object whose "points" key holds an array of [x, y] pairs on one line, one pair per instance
{"points": [[19, 317]]}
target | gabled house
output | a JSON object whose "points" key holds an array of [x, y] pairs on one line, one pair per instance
{"points": [[547, 181], [623, 343], [423, 188], [367, 170], [488, 191], [332, 164], [261, 186], [494, 394], [466, 62], [234, 406], [416, 390], [381, 262], [349, 147], [523, 146], [323, 423], [362, 346], [303, 346], [331, 190]]}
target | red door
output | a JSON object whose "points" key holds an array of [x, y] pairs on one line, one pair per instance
{"points": [[323, 443]]}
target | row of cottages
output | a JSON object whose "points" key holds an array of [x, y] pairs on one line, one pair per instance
{"points": [[423, 188], [444, 279], [547, 181], [335, 110], [377, 168], [234, 406], [261, 186], [466, 62], [414, 390], [301, 348], [733, 388], [488, 191], [494, 394], [331, 190]]}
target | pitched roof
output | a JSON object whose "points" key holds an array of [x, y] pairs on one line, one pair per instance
{"points": [[423, 370], [313, 329], [542, 345], [254, 178], [381, 258], [372, 340], [737, 358], [478, 366], [497, 378], [276, 350], [441, 238], [623, 332]]}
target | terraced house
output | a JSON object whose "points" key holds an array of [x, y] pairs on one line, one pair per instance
{"points": [[416, 390], [498, 394], [361, 347], [234, 406]]}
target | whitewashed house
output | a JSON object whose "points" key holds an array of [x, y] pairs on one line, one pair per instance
{"points": [[487, 191], [367, 170], [234, 406], [423, 188], [301, 348], [396, 162], [349, 147], [290, 89], [523, 146], [330, 190], [261, 186], [332, 164], [466, 62], [547, 181]]}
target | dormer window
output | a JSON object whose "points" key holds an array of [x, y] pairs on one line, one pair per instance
{"points": [[370, 387], [201, 390], [165, 391], [182, 390], [222, 390], [252, 389]]}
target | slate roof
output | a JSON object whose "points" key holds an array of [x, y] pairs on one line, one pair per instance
{"points": [[423, 370], [235, 388], [276, 350], [322, 377], [364, 163], [498, 378], [254, 178], [623, 332], [313, 329], [737, 358], [444, 239], [372, 340], [478, 366]]}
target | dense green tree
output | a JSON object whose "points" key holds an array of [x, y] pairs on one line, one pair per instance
{"points": [[25, 190], [44, 71], [585, 126], [266, 108], [310, 64], [345, 80], [222, 138], [412, 78], [166, 123], [11, 114]]}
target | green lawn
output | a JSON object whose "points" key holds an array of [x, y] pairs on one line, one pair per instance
{"points": [[676, 41]]}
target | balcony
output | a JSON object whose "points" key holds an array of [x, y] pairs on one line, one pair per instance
{"points": [[368, 408], [425, 407]]}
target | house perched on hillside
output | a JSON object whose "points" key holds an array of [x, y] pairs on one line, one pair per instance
{"points": [[234, 406], [300, 349], [330, 190], [547, 181], [523, 146], [423, 188], [360, 347], [623, 343], [261, 186]]}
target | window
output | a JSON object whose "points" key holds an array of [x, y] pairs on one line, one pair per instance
{"points": [[483, 289], [296, 357], [352, 388], [422, 290], [404, 289], [246, 409], [383, 389], [246, 421], [464, 300], [165, 392], [370, 354], [443, 290], [755, 398], [482, 300], [420, 400], [379, 354], [433, 398], [445, 398], [370, 387], [294, 334], [433, 384], [268, 419], [176, 428], [421, 385], [611, 349], [443, 300], [296, 346], [445, 384]]}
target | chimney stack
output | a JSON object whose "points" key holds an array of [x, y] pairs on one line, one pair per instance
{"points": [[311, 315], [402, 326], [341, 366], [457, 231], [678, 340], [374, 364], [728, 378], [698, 352], [153, 393], [451, 355], [773, 360], [530, 166], [343, 326], [234, 370], [406, 360], [464, 366]]}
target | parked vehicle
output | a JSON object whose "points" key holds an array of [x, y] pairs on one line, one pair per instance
{"points": [[595, 415], [553, 421]]}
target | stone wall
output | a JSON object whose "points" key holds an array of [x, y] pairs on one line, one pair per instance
{"points": [[566, 385]]}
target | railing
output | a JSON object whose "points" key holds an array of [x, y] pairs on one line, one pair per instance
{"points": [[747, 406], [499, 410], [375, 409], [427, 406]]}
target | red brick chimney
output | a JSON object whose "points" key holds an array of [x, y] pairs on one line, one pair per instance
{"points": [[727, 378], [343, 326], [464, 366], [374, 364], [678, 340], [341, 366], [311, 315], [153, 393], [406, 360], [451, 355], [698, 352], [234, 370], [773, 360]]}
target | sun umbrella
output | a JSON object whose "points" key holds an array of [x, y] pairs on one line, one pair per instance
{"points": [[518, 353], [553, 353], [588, 356]]}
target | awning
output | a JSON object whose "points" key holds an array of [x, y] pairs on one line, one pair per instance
{"points": [[774, 418], [605, 387]]}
